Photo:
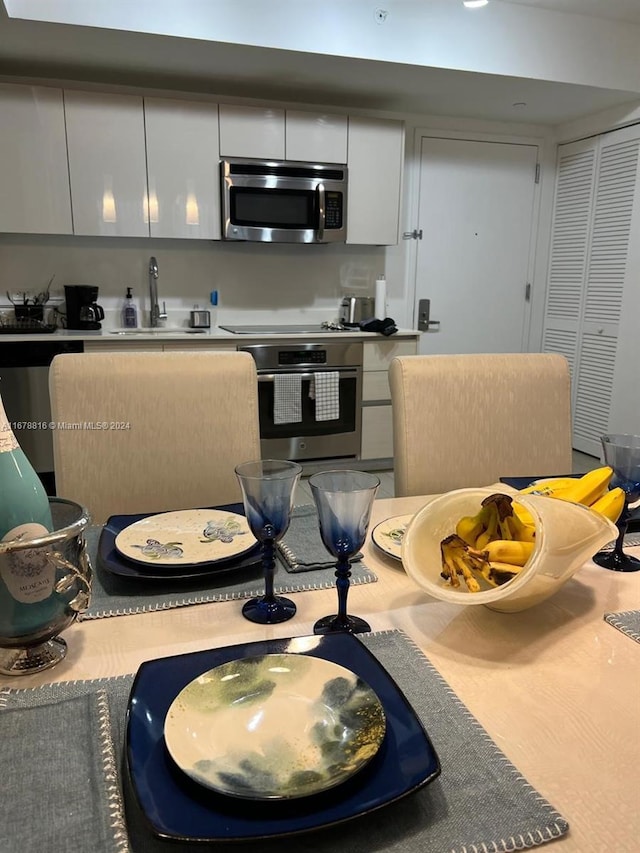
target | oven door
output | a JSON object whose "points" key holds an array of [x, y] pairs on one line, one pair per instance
{"points": [[309, 438]]}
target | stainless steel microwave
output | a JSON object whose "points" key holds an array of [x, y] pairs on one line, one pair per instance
{"points": [[284, 202]]}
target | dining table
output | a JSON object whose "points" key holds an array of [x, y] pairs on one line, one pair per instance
{"points": [[556, 687]]}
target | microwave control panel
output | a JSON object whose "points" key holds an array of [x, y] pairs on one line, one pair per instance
{"points": [[333, 210]]}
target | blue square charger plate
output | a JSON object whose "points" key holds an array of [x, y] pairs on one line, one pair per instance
{"points": [[178, 809]]}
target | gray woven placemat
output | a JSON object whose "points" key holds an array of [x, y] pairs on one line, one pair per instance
{"points": [[113, 595], [480, 802], [627, 621], [301, 548]]}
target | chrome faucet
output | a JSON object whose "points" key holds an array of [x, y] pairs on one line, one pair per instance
{"points": [[155, 314]]}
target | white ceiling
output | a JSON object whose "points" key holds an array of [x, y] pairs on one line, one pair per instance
{"points": [[35, 49], [615, 10]]}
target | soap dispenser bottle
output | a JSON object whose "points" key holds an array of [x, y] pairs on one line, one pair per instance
{"points": [[129, 312]]}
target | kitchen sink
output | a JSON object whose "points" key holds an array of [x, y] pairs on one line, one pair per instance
{"points": [[157, 331]]}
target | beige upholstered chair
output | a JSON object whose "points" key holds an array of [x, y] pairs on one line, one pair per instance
{"points": [[467, 420], [176, 424]]}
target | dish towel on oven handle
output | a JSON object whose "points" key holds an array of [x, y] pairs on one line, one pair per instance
{"points": [[287, 398], [325, 390]]}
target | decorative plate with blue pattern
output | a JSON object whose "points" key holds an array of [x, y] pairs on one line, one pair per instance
{"points": [[185, 537]]}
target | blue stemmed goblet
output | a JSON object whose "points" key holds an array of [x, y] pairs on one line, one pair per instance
{"points": [[344, 500], [622, 453], [268, 487]]}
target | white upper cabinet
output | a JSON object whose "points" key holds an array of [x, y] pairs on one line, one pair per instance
{"points": [[316, 137], [375, 155], [107, 164], [275, 134], [251, 132], [34, 179], [182, 168]]}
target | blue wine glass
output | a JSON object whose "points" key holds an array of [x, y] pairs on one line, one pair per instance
{"points": [[268, 487], [344, 500], [622, 453]]}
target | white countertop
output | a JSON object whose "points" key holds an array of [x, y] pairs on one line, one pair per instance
{"points": [[214, 336]]}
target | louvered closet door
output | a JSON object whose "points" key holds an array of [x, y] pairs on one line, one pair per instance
{"points": [[589, 250]]}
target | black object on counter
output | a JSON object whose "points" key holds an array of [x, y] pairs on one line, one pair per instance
{"points": [[384, 327]]}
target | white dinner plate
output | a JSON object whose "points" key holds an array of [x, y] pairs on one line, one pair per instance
{"points": [[277, 726], [387, 535], [186, 538]]}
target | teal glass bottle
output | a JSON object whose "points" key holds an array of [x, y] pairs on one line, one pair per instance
{"points": [[23, 500], [27, 577]]}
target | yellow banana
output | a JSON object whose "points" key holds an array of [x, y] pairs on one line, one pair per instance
{"points": [[470, 527], [513, 553], [550, 486], [522, 531], [498, 573], [610, 504], [589, 487]]}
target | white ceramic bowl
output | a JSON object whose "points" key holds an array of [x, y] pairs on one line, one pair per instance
{"points": [[567, 535]]}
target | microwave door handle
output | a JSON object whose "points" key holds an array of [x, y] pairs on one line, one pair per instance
{"points": [[321, 212]]}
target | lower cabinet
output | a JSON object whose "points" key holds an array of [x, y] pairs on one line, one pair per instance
{"points": [[377, 427]]}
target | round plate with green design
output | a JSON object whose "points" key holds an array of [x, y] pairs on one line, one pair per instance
{"points": [[274, 727], [388, 535]]}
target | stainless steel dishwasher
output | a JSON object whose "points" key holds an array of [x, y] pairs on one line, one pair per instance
{"points": [[24, 386]]}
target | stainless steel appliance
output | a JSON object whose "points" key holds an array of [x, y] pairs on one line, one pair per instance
{"points": [[24, 385], [355, 309], [284, 202], [310, 439], [83, 312]]}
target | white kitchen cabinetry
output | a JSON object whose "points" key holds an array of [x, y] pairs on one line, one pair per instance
{"points": [[377, 427], [107, 164], [593, 282], [182, 168], [34, 179], [251, 132], [292, 135], [315, 137], [375, 156]]}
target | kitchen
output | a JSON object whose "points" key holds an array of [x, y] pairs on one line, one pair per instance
{"points": [[289, 284]]}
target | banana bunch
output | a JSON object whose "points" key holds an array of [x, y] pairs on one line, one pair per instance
{"points": [[592, 490], [493, 545], [497, 542]]}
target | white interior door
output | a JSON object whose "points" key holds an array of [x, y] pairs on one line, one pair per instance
{"points": [[476, 205]]}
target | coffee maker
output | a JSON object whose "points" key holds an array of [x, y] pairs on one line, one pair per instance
{"points": [[83, 312]]}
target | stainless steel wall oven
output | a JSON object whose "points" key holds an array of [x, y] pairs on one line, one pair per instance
{"points": [[310, 438]]}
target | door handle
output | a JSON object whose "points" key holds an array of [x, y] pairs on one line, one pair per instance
{"points": [[424, 322]]}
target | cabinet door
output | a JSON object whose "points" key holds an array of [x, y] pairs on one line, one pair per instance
{"points": [[34, 178], [107, 164], [377, 432], [251, 132], [182, 168], [375, 154], [592, 236], [316, 137]]}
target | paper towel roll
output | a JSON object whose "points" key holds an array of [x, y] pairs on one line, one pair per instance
{"points": [[381, 298]]}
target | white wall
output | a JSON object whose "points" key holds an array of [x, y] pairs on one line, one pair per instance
{"points": [[257, 282]]}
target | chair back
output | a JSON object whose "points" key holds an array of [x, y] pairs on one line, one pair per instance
{"points": [[152, 431], [467, 420]]}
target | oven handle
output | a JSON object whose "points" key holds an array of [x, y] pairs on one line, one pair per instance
{"points": [[270, 377]]}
